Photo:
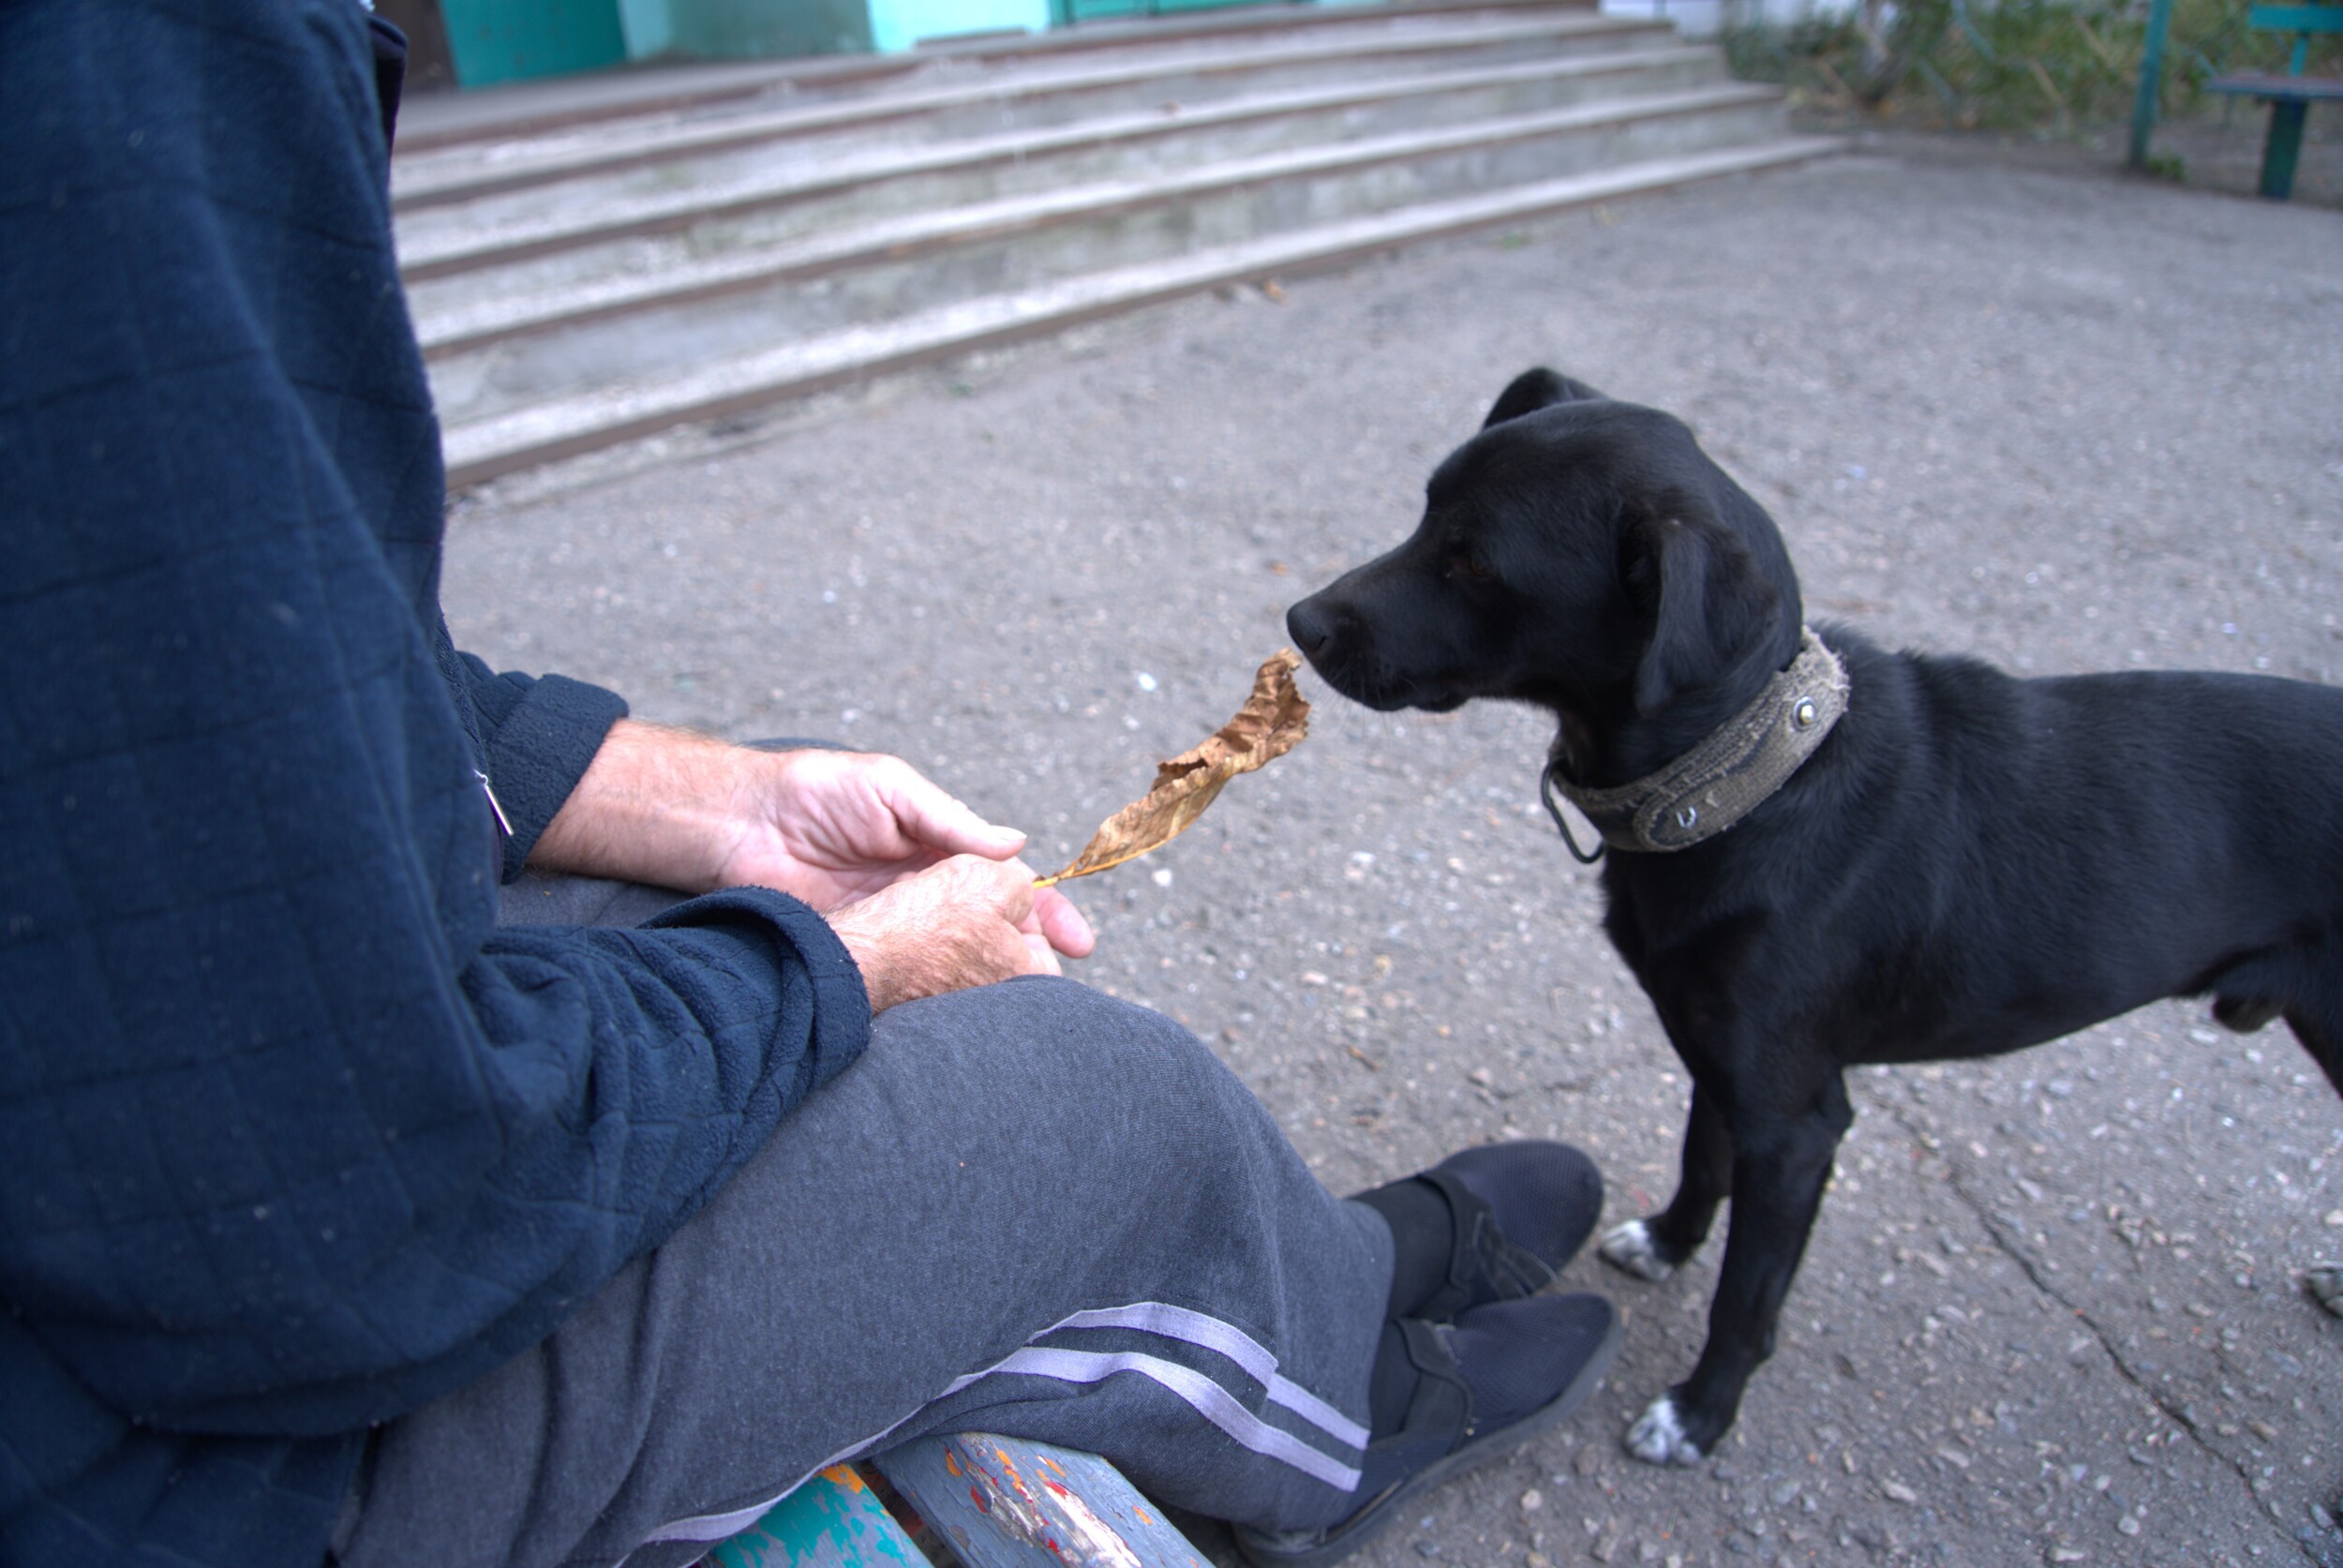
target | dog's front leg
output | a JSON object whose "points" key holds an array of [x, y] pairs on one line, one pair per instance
{"points": [[1780, 1162], [1651, 1247]]}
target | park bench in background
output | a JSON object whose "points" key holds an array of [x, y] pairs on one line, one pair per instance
{"points": [[990, 1502], [2290, 93]]}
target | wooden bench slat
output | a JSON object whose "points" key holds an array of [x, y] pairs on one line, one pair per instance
{"points": [[832, 1521], [2296, 19], [1004, 1502], [2289, 95]]}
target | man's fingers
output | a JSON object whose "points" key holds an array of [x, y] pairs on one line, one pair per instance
{"points": [[966, 921], [1004, 885], [928, 816], [1063, 924], [1051, 917]]}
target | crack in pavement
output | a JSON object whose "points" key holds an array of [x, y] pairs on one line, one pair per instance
{"points": [[2174, 1409]]}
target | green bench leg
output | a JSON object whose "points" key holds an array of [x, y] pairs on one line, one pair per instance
{"points": [[832, 1521], [2283, 149]]}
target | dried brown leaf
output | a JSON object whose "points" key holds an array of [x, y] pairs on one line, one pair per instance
{"points": [[1274, 720]]}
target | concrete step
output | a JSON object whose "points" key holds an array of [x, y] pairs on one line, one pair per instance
{"points": [[564, 425], [645, 252], [954, 97], [432, 123], [651, 304], [710, 200]]}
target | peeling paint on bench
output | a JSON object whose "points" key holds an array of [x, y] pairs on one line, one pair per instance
{"points": [[1003, 1502], [832, 1521]]}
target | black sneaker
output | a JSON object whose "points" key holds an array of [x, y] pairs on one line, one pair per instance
{"points": [[1498, 1376], [1508, 1216]]}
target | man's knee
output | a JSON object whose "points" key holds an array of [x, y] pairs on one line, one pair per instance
{"points": [[1050, 1061], [1058, 1028]]}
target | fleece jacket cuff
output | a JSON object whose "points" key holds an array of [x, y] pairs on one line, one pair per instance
{"points": [[539, 751]]}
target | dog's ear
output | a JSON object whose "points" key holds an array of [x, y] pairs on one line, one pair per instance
{"points": [[1705, 596], [1537, 389]]}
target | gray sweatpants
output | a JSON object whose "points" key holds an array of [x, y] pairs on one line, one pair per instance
{"points": [[1028, 1209]]}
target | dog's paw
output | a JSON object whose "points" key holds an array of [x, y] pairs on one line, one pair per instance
{"points": [[1657, 1438], [1628, 1246], [2325, 1284]]}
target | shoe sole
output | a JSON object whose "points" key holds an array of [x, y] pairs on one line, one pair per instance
{"points": [[1377, 1517]]}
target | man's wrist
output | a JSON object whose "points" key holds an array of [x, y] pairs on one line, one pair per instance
{"points": [[656, 805], [869, 959]]}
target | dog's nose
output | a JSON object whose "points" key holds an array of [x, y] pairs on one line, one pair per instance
{"points": [[1310, 627]]}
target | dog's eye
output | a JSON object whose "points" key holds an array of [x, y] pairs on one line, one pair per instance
{"points": [[1460, 559]]}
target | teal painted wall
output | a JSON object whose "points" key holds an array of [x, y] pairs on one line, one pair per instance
{"points": [[1065, 13], [648, 30], [509, 40], [899, 24], [766, 29]]}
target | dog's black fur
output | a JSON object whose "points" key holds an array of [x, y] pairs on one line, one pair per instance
{"points": [[1969, 864]]}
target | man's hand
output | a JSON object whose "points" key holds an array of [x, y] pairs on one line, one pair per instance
{"points": [[835, 827], [925, 892], [965, 921], [677, 810]]}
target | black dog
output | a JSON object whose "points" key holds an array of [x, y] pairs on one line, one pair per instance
{"points": [[1965, 864]]}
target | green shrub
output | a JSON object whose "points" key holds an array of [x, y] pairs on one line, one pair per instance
{"points": [[2031, 66]]}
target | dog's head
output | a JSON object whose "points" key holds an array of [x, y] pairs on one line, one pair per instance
{"points": [[1577, 553]]}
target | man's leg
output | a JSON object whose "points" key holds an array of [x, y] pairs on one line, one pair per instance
{"points": [[1028, 1208], [538, 897]]}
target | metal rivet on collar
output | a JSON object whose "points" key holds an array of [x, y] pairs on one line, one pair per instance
{"points": [[1720, 781]]}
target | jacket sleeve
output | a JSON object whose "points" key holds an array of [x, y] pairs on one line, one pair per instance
{"points": [[537, 734], [292, 1139]]}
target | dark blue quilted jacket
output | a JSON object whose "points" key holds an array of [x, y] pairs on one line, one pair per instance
{"points": [[291, 1138]]}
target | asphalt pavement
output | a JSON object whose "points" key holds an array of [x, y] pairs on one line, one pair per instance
{"points": [[2044, 414]]}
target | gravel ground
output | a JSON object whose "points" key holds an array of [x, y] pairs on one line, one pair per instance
{"points": [[2059, 419]]}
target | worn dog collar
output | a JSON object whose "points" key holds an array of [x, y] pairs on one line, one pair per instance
{"points": [[1723, 779]]}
